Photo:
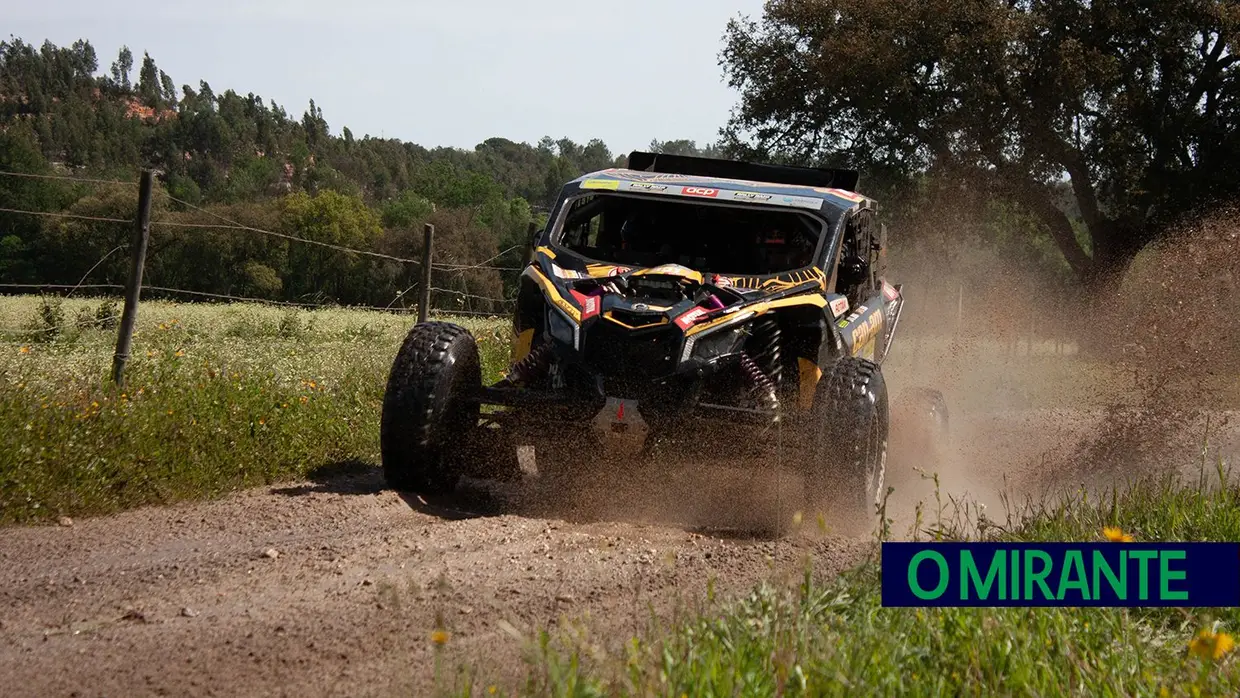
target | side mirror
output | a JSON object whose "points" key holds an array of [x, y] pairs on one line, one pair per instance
{"points": [[531, 240], [852, 272]]}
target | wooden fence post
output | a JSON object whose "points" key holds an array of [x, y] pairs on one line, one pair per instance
{"points": [[424, 303], [133, 289]]}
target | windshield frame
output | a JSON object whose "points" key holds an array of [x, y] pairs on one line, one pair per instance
{"points": [[826, 223]]}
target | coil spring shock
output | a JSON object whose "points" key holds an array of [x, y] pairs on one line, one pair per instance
{"points": [[767, 344], [531, 368], [761, 385]]}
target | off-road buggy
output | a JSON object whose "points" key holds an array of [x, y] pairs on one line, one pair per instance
{"points": [[691, 303]]}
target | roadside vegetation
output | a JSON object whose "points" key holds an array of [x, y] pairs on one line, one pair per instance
{"points": [[835, 638], [216, 398]]}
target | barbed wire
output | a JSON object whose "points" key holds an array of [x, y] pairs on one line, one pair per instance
{"points": [[233, 225], [70, 286], [69, 178], [78, 216]]}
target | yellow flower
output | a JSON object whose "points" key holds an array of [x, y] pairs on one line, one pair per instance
{"points": [[94, 404], [24, 350], [180, 353], [1115, 535], [1209, 645], [304, 399], [439, 637], [261, 421], [284, 406], [492, 689]]}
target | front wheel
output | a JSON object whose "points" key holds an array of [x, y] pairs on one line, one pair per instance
{"points": [[850, 423], [430, 412]]}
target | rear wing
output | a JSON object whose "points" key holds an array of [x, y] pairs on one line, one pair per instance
{"points": [[752, 171]]}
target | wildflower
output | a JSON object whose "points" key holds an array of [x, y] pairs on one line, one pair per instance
{"points": [[1211, 645], [95, 405], [24, 350], [492, 689], [169, 412], [1115, 535], [304, 399], [261, 421], [180, 353], [439, 637], [284, 406]]}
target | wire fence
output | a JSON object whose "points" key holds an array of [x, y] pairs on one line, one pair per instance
{"points": [[451, 273]]}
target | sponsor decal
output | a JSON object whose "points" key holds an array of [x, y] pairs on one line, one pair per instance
{"points": [[843, 194], [647, 186], [566, 273], [722, 281], [600, 184], [590, 305], [866, 330], [687, 320], [700, 191], [672, 270], [640, 307], [750, 196], [839, 306], [889, 292]]}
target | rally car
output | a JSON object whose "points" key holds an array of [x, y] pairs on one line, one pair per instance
{"points": [[707, 303]]}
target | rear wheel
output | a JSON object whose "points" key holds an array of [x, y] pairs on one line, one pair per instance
{"points": [[429, 411], [848, 468]]}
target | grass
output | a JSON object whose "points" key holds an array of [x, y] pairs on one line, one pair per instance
{"points": [[220, 397], [217, 397], [835, 638]]}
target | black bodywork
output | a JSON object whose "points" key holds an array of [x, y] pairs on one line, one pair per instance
{"points": [[630, 349]]}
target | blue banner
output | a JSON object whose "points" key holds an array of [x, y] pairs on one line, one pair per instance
{"points": [[1200, 575]]}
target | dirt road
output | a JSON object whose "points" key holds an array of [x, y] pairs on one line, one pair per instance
{"points": [[334, 586], [186, 600]]}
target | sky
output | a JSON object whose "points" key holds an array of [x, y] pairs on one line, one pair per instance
{"points": [[434, 72]]}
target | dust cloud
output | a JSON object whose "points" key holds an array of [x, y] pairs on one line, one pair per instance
{"points": [[1051, 389]]}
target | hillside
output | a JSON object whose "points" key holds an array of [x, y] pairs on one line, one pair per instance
{"points": [[232, 158]]}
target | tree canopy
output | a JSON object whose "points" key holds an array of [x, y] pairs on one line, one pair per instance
{"points": [[1133, 105]]}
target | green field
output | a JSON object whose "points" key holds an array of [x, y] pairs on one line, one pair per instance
{"points": [[217, 397]]}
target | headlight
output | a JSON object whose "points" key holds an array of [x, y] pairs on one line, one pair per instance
{"points": [[714, 344], [561, 328]]}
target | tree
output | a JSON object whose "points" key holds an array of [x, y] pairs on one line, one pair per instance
{"points": [[121, 68], [1133, 104], [149, 87]]}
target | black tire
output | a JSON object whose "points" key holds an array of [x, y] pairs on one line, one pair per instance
{"points": [[428, 414], [849, 442]]}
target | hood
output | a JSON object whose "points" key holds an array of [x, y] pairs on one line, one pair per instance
{"points": [[638, 298]]}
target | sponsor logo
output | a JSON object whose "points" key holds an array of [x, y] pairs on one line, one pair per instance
{"points": [[640, 307], [699, 191], [866, 330], [686, 320], [750, 196], [722, 281], [839, 306], [647, 186], [671, 270], [600, 184], [590, 305]]}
